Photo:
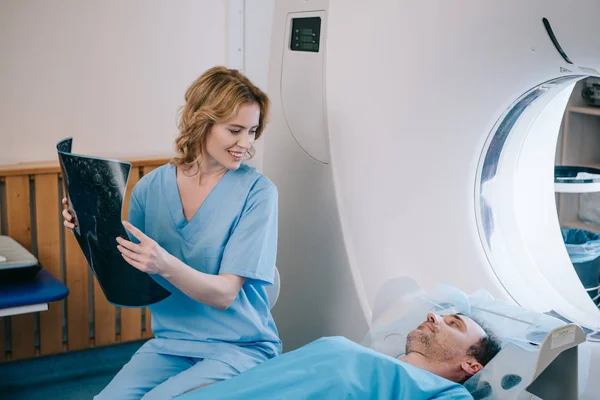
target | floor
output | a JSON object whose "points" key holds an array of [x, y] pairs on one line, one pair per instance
{"points": [[77, 375]]}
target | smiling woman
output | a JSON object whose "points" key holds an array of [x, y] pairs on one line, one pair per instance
{"points": [[227, 144], [226, 101], [205, 228]]}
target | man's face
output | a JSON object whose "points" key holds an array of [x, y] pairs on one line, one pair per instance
{"points": [[445, 338]]}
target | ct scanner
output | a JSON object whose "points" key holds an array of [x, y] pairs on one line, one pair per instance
{"points": [[418, 139]]}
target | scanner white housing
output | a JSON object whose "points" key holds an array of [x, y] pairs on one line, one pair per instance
{"points": [[419, 140]]}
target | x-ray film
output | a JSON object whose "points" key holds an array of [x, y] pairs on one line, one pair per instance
{"points": [[95, 188]]}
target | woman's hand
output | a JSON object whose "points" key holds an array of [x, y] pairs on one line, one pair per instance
{"points": [[218, 291], [67, 214], [147, 256]]}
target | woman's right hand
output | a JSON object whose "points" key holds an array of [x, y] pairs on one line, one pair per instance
{"points": [[67, 214]]}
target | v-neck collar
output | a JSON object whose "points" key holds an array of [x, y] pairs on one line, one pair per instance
{"points": [[206, 209]]}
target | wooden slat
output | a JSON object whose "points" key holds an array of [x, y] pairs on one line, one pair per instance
{"points": [[78, 332], [131, 324], [19, 228], [148, 331], [52, 167], [32, 168], [18, 210], [105, 329], [131, 318], [47, 212], [147, 169]]}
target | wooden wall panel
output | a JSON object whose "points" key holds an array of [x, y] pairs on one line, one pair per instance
{"points": [[78, 331], [105, 329], [48, 245], [48, 222], [18, 218]]}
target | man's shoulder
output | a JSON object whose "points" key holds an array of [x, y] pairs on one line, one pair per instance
{"points": [[454, 392]]}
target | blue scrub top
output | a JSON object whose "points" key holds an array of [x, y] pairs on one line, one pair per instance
{"points": [[234, 231], [333, 368]]}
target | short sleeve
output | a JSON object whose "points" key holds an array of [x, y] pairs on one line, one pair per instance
{"points": [[251, 249]]}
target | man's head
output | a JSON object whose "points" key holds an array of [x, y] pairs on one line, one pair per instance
{"points": [[455, 345]]}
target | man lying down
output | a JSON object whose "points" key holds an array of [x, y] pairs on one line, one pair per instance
{"points": [[441, 353]]}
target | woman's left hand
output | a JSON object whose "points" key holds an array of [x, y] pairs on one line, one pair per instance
{"points": [[147, 256]]}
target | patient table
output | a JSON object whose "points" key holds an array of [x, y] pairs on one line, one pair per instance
{"points": [[541, 355], [25, 286]]}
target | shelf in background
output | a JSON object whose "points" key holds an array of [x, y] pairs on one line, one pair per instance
{"points": [[588, 165], [563, 187], [578, 224], [584, 110]]}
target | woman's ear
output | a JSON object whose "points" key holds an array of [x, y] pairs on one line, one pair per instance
{"points": [[471, 366]]}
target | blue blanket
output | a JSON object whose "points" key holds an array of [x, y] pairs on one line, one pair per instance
{"points": [[333, 368]]}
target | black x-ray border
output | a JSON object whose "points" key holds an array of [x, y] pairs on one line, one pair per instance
{"points": [[95, 188]]}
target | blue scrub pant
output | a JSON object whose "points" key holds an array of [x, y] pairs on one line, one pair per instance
{"points": [[151, 376]]}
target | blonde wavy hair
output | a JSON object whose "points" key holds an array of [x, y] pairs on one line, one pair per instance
{"points": [[214, 98]]}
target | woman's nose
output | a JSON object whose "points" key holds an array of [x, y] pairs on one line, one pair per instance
{"points": [[244, 140]]}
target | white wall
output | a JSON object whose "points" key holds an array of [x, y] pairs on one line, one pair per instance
{"points": [[110, 73], [257, 23]]}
